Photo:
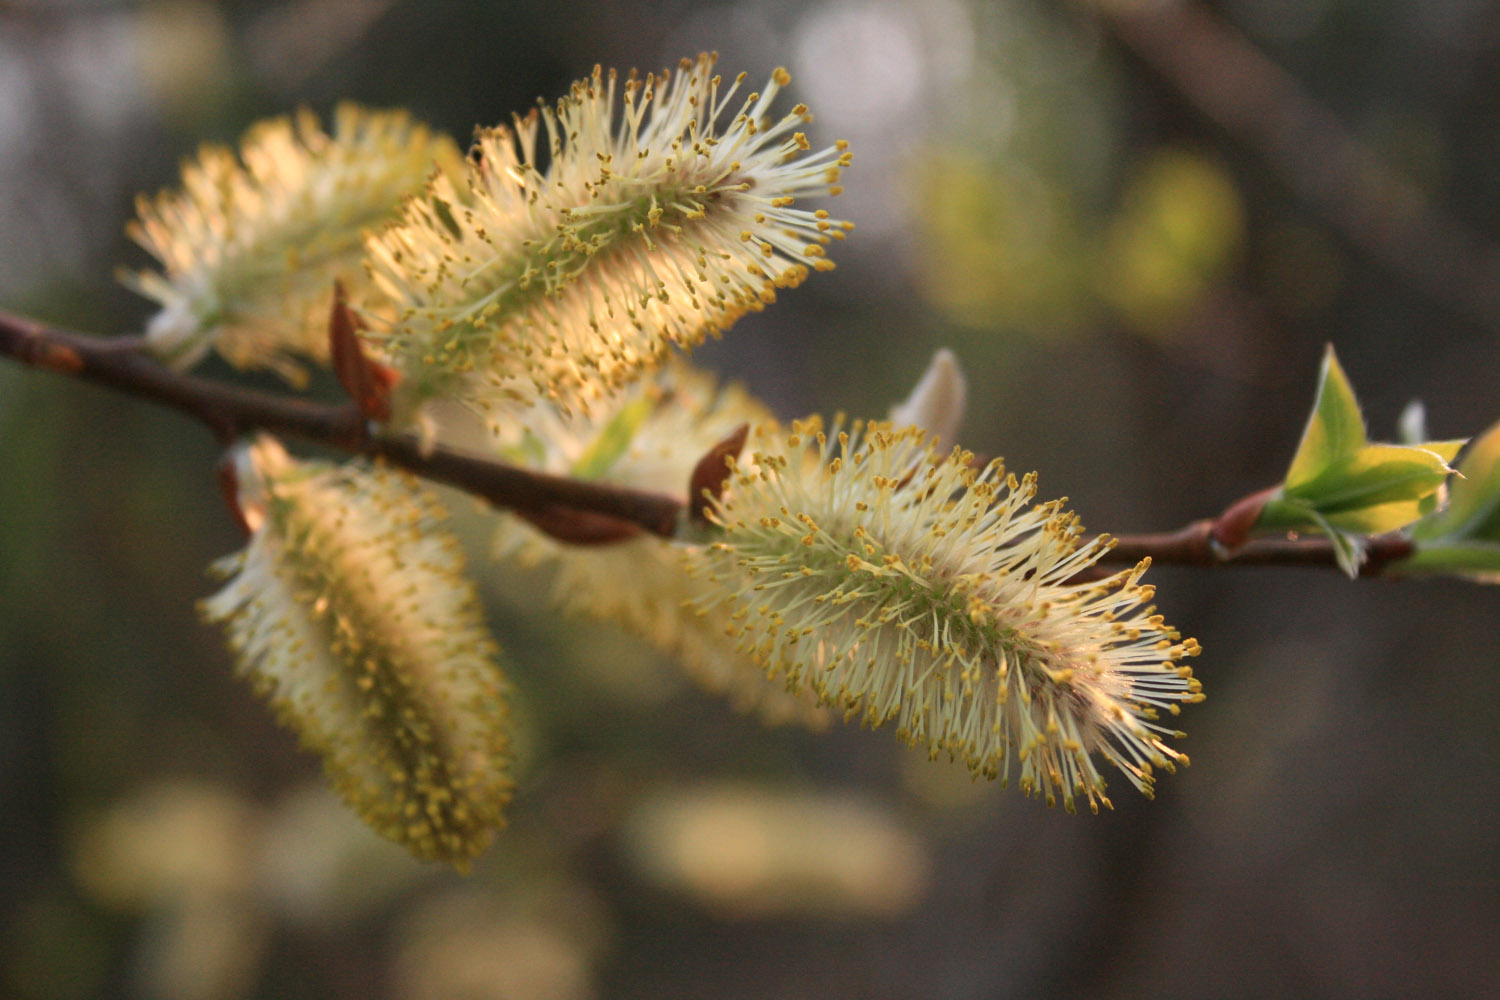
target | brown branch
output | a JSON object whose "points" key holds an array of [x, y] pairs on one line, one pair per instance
{"points": [[1195, 545], [1386, 216], [570, 509], [230, 411]]}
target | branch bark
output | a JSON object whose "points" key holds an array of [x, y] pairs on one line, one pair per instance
{"points": [[1242, 91], [230, 411], [1195, 545], [585, 508]]}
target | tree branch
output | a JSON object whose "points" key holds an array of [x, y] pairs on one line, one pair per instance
{"points": [[1390, 219], [1194, 545], [230, 411], [574, 509]]}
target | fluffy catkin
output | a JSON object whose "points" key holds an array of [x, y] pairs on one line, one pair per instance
{"points": [[900, 583], [591, 237], [250, 245], [349, 612]]}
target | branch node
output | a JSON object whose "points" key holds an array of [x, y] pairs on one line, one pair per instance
{"points": [[1231, 529], [57, 358]]}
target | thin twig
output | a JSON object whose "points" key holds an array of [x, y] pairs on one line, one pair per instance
{"points": [[231, 411], [587, 508], [1386, 216], [1194, 545]]}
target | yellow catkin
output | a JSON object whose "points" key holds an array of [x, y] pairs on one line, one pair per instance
{"points": [[250, 245], [663, 213], [904, 585], [350, 613]]}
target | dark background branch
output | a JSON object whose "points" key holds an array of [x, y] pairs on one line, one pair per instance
{"points": [[1232, 83]]}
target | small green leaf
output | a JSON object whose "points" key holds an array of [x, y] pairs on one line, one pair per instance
{"points": [[1473, 510], [1463, 537], [1446, 450], [1287, 515], [1475, 560], [1378, 488], [614, 439], [1339, 481], [1348, 549], [1335, 428], [1300, 515]]}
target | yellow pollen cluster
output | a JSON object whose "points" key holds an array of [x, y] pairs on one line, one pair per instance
{"points": [[653, 223], [901, 584]]}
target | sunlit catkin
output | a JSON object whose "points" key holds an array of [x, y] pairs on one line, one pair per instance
{"points": [[250, 245], [350, 614], [636, 215], [905, 584]]}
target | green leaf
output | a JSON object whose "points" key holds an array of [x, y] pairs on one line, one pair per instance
{"points": [[1286, 515], [1379, 487], [1300, 515], [1340, 482], [1473, 510], [1445, 450], [1335, 429], [1463, 537], [1348, 549], [1475, 560], [613, 439]]}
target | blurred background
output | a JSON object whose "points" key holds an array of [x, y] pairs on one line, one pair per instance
{"points": [[1137, 224]]}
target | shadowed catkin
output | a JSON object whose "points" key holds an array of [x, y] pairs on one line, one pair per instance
{"points": [[250, 246], [901, 583], [350, 614], [648, 437], [641, 224]]}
